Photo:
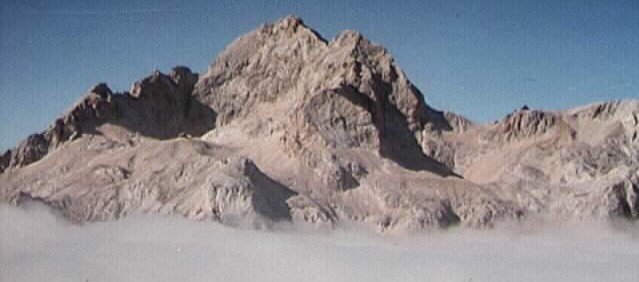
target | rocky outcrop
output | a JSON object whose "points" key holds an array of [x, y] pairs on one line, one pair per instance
{"points": [[526, 124], [30, 150], [159, 106], [95, 108], [457, 122], [162, 106], [5, 160]]}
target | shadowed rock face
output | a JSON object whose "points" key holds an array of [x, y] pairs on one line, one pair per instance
{"points": [[5, 160], [286, 125], [162, 106], [30, 150]]}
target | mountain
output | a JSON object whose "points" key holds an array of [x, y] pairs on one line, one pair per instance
{"points": [[288, 126]]}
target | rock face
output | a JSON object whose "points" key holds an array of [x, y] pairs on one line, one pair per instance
{"points": [[5, 160], [187, 177], [288, 126], [579, 163]]}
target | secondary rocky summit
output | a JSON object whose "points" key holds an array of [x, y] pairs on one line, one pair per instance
{"points": [[287, 126]]}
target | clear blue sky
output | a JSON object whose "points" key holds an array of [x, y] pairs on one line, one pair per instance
{"points": [[478, 58]]}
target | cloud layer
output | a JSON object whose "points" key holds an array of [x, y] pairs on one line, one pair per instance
{"points": [[36, 245]]}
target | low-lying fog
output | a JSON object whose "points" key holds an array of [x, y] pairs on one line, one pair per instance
{"points": [[36, 245]]}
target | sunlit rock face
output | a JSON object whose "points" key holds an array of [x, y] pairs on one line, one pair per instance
{"points": [[288, 126]]}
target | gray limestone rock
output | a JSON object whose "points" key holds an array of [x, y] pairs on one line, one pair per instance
{"points": [[288, 126]]}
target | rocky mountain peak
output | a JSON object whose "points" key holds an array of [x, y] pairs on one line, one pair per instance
{"points": [[184, 78], [608, 110], [287, 126], [289, 23], [347, 93], [526, 123], [349, 37], [102, 90]]}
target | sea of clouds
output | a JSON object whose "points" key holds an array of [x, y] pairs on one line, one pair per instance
{"points": [[38, 245]]}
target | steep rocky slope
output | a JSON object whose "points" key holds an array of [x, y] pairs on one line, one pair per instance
{"points": [[287, 126], [580, 163]]}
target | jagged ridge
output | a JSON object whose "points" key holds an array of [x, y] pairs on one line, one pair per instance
{"points": [[297, 127]]}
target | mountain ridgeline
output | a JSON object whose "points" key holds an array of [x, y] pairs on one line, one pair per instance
{"points": [[288, 126]]}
